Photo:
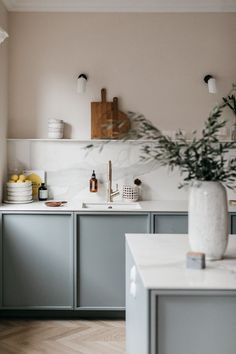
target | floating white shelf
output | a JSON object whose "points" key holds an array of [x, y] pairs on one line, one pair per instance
{"points": [[92, 140], [79, 140]]}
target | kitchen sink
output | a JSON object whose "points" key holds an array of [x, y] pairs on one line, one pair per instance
{"points": [[111, 206]]}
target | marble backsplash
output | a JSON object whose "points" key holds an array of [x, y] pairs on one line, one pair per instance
{"points": [[69, 165]]}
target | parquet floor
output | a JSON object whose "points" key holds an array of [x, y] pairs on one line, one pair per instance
{"points": [[62, 337]]}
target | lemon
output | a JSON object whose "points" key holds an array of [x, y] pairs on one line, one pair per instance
{"points": [[14, 178], [22, 178]]}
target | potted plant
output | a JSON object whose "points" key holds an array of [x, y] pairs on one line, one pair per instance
{"points": [[205, 165], [230, 101]]}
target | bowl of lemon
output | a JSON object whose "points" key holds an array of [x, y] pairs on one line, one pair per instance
{"points": [[18, 190]]}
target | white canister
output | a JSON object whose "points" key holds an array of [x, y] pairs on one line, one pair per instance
{"points": [[55, 129]]}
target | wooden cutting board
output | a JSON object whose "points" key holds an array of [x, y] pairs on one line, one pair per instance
{"points": [[99, 112], [120, 123], [107, 122]]}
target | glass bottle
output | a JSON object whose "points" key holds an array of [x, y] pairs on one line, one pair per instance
{"points": [[43, 192], [93, 183]]}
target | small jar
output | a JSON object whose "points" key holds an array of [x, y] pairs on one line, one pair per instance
{"points": [[43, 192]]}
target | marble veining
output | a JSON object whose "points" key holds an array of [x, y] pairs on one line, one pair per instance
{"points": [[161, 264], [69, 166]]}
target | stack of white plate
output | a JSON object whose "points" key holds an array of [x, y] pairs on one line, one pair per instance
{"points": [[55, 128], [19, 193]]}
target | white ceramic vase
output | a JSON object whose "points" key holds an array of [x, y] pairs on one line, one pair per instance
{"points": [[208, 222]]}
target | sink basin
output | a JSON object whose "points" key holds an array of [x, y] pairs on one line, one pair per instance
{"points": [[111, 206]]}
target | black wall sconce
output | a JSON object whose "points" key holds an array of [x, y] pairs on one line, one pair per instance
{"points": [[211, 82], [82, 83]]}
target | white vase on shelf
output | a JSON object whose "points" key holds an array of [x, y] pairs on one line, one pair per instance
{"points": [[208, 222]]}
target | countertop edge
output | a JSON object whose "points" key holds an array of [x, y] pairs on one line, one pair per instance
{"points": [[162, 269]]}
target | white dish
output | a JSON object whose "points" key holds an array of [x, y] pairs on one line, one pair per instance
{"points": [[18, 202], [26, 184], [54, 120], [55, 125], [19, 198], [55, 129], [19, 192], [58, 132], [55, 135]]}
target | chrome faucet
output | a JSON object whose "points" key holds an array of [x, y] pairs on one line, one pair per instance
{"points": [[110, 193]]}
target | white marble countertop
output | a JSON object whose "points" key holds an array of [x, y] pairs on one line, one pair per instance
{"points": [[76, 205], [161, 259]]}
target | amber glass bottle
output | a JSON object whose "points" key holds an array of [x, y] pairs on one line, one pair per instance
{"points": [[93, 183]]}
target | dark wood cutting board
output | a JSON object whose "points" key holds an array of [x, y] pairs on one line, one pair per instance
{"points": [[99, 121], [107, 122]]}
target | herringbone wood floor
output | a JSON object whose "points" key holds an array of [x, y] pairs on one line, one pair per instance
{"points": [[62, 337]]}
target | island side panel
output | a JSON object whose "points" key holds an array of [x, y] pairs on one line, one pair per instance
{"points": [[137, 311], [193, 322]]}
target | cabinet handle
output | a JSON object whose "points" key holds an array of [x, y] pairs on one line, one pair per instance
{"points": [[133, 289], [133, 274]]}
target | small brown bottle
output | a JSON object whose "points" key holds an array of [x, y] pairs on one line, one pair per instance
{"points": [[93, 183]]}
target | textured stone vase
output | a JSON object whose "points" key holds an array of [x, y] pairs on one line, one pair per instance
{"points": [[208, 219]]}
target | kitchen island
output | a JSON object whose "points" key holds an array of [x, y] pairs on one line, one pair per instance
{"points": [[174, 310]]}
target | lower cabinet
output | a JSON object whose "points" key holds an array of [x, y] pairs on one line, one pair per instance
{"points": [[169, 223], [47, 261], [101, 257], [37, 260]]}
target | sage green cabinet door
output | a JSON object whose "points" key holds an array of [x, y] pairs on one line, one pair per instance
{"points": [[192, 324], [37, 260], [101, 257], [171, 223]]}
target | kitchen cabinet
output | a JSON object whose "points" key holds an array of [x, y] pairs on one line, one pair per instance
{"points": [[37, 260], [170, 223], [171, 310], [101, 257]]}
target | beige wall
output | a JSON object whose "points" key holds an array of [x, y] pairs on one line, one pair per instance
{"points": [[3, 96], [155, 63]]}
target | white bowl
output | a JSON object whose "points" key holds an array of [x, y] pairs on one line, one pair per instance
{"points": [[19, 192], [55, 135], [55, 126], [18, 202], [19, 198], [26, 184], [55, 130], [54, 120]]}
